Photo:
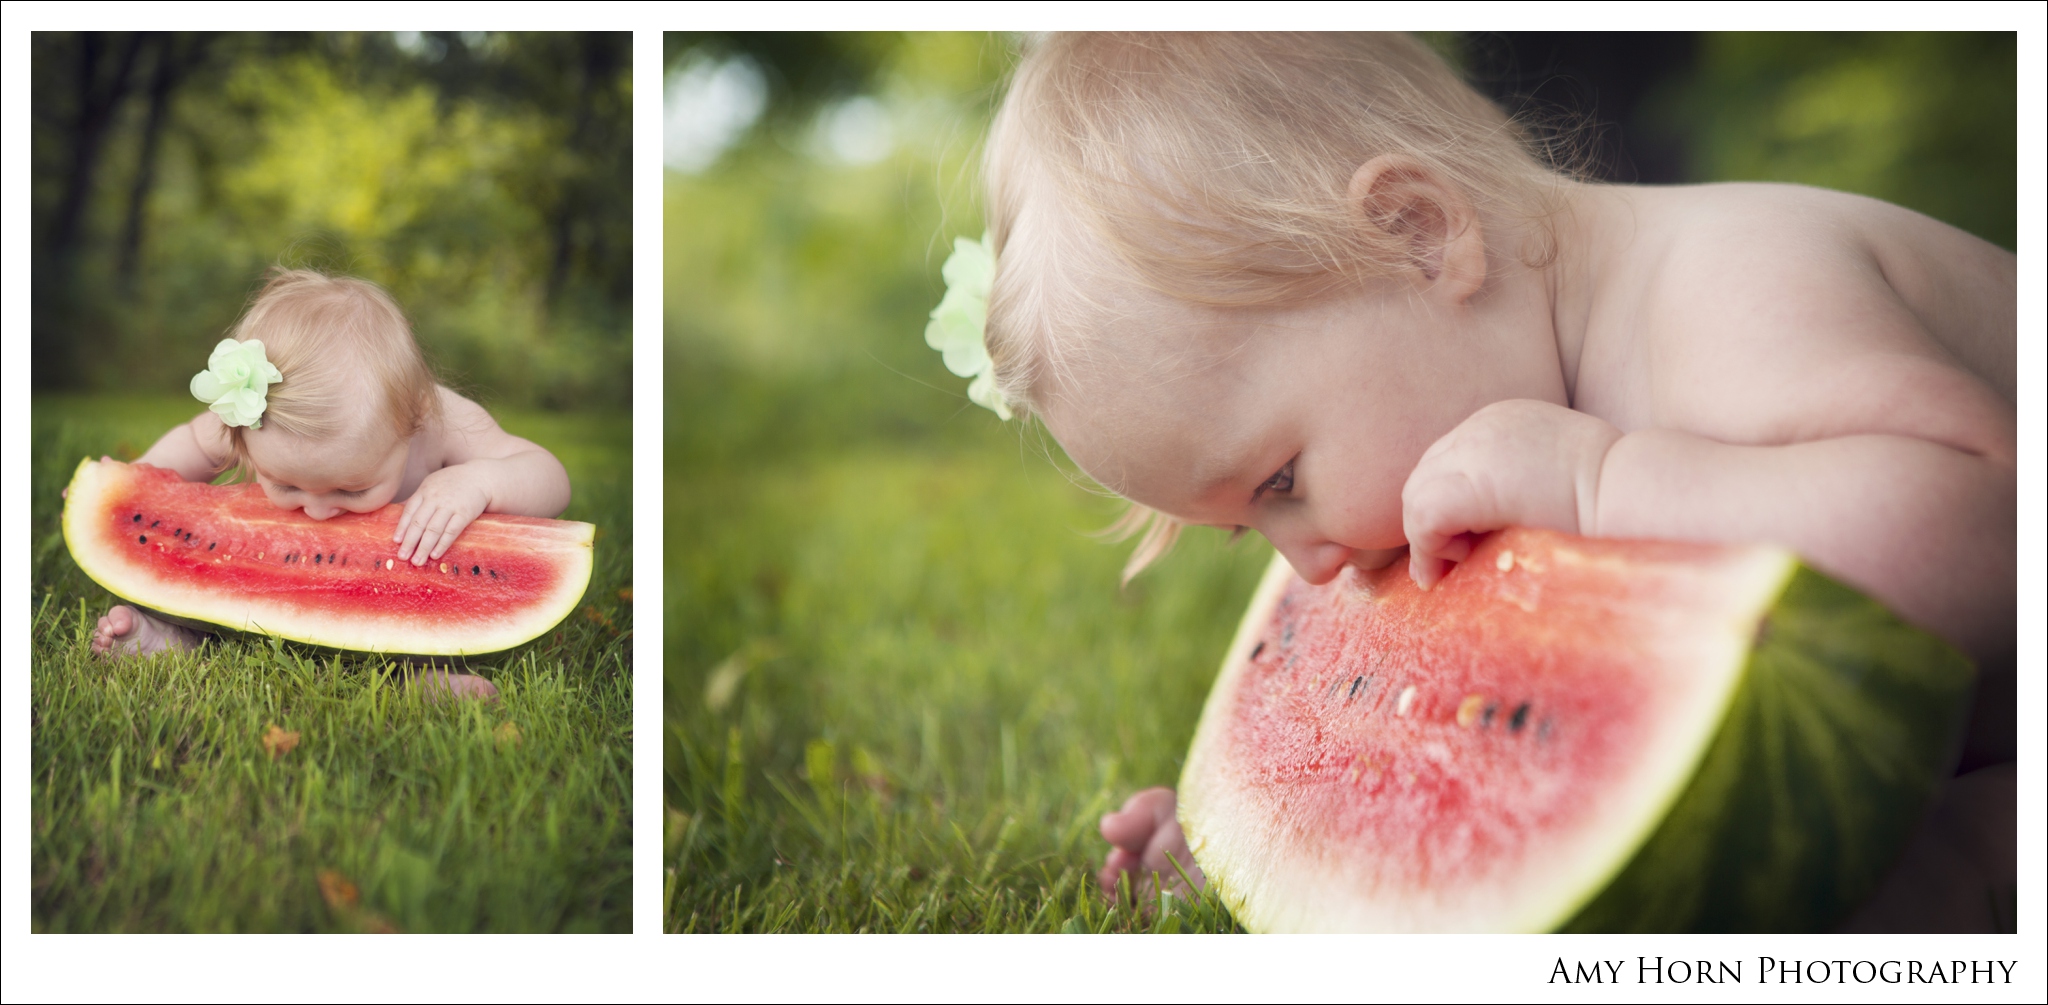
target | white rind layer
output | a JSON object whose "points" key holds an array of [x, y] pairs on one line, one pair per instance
{"points": [[1255, 856], [395, 633]]}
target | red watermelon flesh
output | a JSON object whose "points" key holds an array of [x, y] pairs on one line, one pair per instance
{"points": [[225, 556], [1493, 754]]}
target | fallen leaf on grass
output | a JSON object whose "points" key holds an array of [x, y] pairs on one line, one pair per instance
{"points": [[345, 901], [337, 891], [279, 742], [626, 594], [596, 615], [508, 734]]}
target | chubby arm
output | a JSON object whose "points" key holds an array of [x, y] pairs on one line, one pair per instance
{"points": [[486, 470], [196, 450], [1927, 528]]}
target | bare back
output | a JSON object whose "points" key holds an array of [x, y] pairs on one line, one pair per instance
{"points": [[1775, 314]]}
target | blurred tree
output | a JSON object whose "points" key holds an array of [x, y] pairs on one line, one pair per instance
{"points": [[1928, 120], [483, 177], [803, 69], [1585, 91]]}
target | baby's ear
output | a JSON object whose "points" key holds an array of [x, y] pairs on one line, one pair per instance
{"points": [[1398, 196]]}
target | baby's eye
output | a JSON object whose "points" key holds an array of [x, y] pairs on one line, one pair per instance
{"points": [[1282, 481]]}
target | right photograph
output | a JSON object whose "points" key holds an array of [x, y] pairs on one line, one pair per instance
{"points": [[1440, 482]]}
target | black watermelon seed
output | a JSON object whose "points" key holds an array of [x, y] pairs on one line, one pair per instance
{"points": [[1356, 683], [476, 570], [1486, 717], [141, 539], [153, 523], [210, 544], [1520, 718], [494, 573], [330, 557], [1256, 650], [138, 518], [316, 560]]}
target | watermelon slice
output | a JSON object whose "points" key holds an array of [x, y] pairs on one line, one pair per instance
{"points": [[1567, 733], [225, 556]]}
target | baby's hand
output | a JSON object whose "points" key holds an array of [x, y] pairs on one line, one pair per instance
{"points": [[439, 509], [1513, 463]]}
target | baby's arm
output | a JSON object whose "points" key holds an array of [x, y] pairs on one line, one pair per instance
{"points": [[486, 470], [1925, 527], [196, 450]]}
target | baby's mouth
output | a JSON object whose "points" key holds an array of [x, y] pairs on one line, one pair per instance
{"points": [[1380, 559]]}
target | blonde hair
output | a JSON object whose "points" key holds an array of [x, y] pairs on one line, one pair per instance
{"points": [[1214, 169], [332, 339]]}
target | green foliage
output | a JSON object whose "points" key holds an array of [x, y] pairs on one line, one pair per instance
{"points": [[157, 806], [1928, 120], [903, 685], [486, 187]]}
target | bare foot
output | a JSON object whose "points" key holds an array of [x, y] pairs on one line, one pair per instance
{"points": [[1144, 833], [440, 685], [126, 631]]}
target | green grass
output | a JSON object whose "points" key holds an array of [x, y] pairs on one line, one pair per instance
{"points": [[158, 806], [902, 683]]}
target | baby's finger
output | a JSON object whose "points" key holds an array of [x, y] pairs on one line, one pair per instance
{"points": [[458, 522], [405, 515], [448, 535], [434, 522], [415, 527], [1435, 514]]}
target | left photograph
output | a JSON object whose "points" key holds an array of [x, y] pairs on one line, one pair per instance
{"points": [[332, 437]]}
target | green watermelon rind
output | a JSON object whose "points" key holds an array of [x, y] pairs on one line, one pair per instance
{"points": [[85, 545], [1845, 723], [1695, 860]]}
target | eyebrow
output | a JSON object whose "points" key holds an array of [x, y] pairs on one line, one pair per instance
{"points": [[1222, 466]]}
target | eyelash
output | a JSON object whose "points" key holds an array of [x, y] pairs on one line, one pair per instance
{"points": [[1282, 481]]}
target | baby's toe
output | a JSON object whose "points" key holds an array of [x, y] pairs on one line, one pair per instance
{"points": [[440, 685], [1111, 876], [1169, 846], [1132, 827]]}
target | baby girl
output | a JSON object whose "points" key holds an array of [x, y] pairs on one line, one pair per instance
{"points": [[1317, 287], [322, 396]]}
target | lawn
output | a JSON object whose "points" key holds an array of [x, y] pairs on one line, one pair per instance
{"points": [[260, 786], [902, 683]]}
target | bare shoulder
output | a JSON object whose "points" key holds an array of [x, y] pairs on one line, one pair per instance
{"points": [[212, 436], [466, 431], [1780, 313], [459, 413]]}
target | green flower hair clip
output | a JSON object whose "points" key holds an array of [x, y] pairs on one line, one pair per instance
{"points": [[236, 382], [960, 320]]}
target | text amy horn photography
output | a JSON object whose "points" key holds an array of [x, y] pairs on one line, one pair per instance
{"points": [[1772, 970]]}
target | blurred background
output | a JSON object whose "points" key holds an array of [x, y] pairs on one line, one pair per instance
{"points": [[901, 679], [480, 176]]}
